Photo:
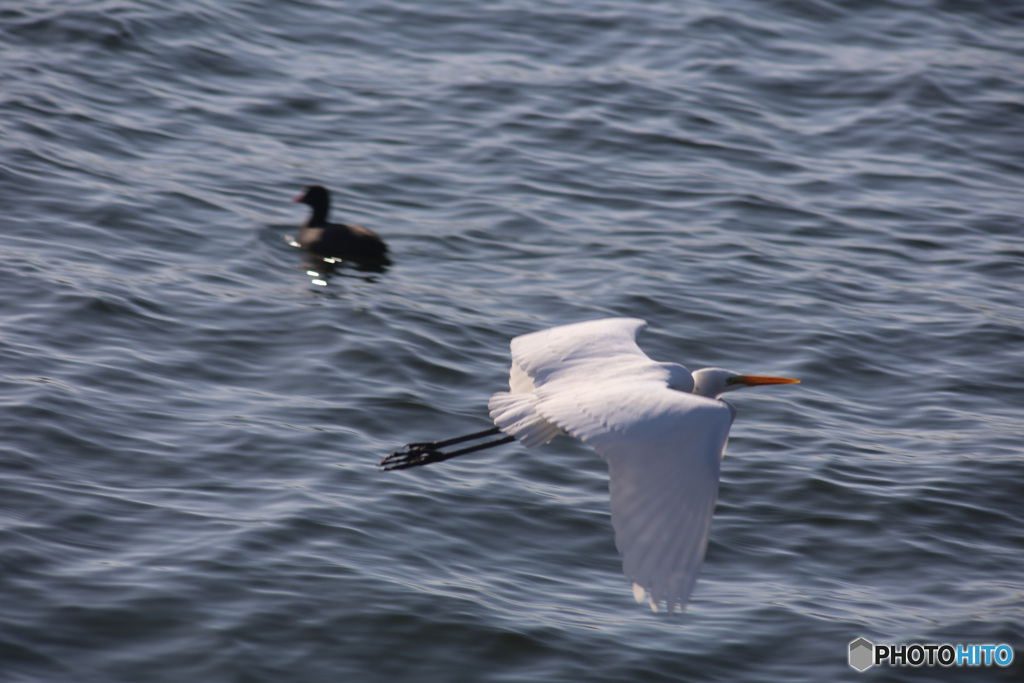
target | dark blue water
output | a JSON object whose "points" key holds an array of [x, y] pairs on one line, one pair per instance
{"points": [[192, 411]]}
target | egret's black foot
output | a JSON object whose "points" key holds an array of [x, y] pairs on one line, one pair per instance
{"points": [[426, 452], [414, 455]]}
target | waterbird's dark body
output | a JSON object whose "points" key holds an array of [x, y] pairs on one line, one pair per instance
{"points": [[336, 240]]}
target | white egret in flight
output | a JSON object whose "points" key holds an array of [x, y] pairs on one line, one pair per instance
{"points": [[661, 429]]}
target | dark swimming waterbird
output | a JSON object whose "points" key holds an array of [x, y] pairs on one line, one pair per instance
{"points": [[346, 241]]}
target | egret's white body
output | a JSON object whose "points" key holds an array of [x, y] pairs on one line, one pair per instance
{"points": [[661, 429]]}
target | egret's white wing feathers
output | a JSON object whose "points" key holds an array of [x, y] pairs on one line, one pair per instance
{"points": [[560, 350], [516, 414], [518, 381], [663, 463], [568, 358]]}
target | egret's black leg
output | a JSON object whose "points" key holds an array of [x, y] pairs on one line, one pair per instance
{"points": [[424, 453], [434, 445]]}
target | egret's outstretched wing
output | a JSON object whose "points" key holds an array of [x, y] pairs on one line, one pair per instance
{"points": [[562, 358], [560, 350], [663, 450]]}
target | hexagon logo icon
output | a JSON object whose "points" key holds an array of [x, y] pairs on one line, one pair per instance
{"points": [[862, 654]]}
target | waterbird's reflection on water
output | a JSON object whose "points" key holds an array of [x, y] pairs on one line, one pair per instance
{"points": [[323, 268]]}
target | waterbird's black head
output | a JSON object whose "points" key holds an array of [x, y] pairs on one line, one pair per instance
{"points": [[314, 195]]}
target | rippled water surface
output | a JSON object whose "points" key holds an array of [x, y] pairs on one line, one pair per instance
{"points": [[192, 411]]}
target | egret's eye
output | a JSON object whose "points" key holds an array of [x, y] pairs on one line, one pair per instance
{"points": [[730, 380]]}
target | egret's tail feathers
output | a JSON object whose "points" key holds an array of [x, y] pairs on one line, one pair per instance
{"points": [[516, 415]]}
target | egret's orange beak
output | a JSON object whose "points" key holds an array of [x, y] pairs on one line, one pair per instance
{"points": [[758, 380]]}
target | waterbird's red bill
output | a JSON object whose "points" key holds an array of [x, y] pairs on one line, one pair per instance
{"points": [[757, 380]]}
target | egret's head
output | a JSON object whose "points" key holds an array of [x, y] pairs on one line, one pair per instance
{"points": [[712, 382]]}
